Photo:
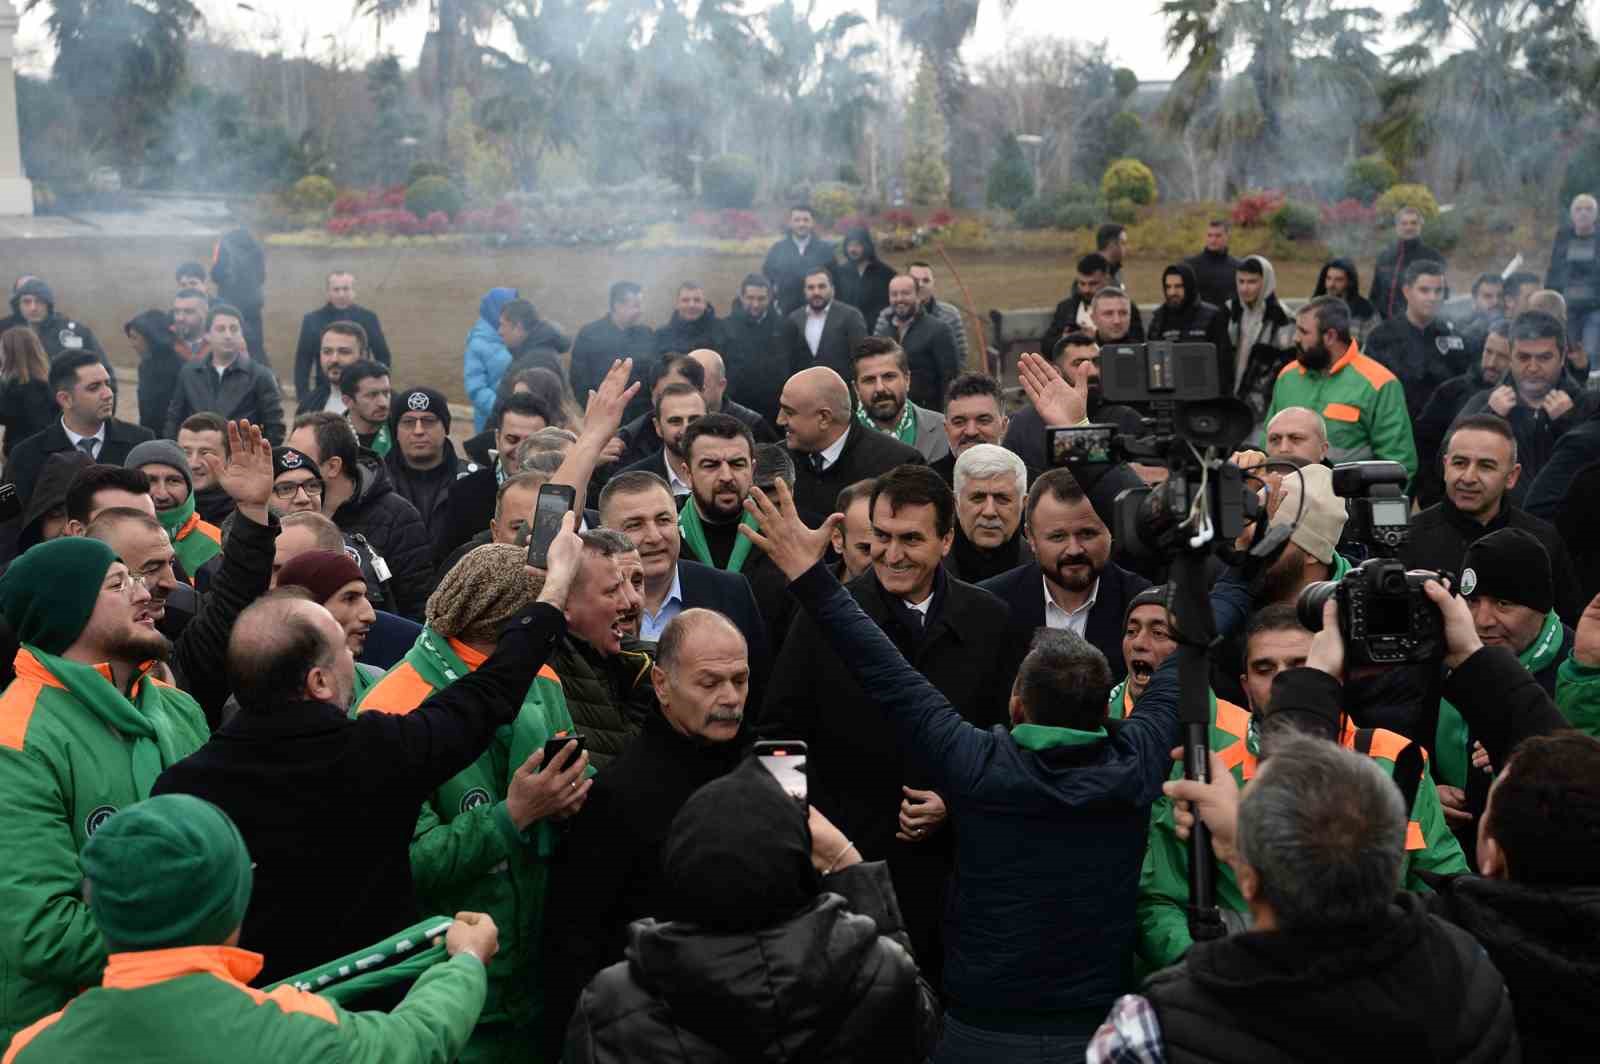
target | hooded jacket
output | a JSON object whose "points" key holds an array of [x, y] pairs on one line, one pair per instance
{"points": [[158, 369], [395, 531], [1194, 321], [763, 961], [486, 358], [1387, 297], [59, 335], [867, 287], [49, 493], [1363, 316], [1261, 339]]}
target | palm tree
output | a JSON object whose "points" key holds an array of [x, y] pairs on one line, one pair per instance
{"points": [[824, 83], [458, 22]]}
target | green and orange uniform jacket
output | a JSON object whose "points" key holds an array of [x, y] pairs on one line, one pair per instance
{"points": [[467, 855], [1163, 936], [1362, 404], [194, 1005], [73, 751]]}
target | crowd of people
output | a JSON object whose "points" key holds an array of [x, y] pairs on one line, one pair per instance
{"points": [[291, 720]]}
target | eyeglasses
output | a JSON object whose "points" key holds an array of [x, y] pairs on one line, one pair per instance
{"points": [[312, 488], [127, 582]]}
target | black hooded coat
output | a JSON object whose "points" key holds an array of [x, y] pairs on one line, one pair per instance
{"points": [[1194, 321], [158, 369], [864, 286]]}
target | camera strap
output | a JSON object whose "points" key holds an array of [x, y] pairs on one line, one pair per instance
{"points": [[1409, 764]]}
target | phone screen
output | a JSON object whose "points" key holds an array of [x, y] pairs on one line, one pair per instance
{"points": [[555, 500], [788, 767]]}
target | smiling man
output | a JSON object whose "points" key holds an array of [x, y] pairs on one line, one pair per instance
{"points": [[883, 388], [991, 490], [196, 541]]}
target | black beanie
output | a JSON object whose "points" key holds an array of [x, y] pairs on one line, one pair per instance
{"points": [[1509, 564], [1154, 595], [419, 401]]}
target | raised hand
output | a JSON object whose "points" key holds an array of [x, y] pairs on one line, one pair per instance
{"points": [[1059, 402], [246, 473], [792, 546], [608, 402]]}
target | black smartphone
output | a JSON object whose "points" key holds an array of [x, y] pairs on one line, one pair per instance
{"points": [[786, 760], [553, 748], [555, 502]]}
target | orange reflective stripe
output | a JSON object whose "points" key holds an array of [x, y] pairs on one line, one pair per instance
{"points": [[547, 673], [227, 964], [1341, 412], [400, 691], [1372, 371], [1387, 745], [1235, 720], [17, 704], [292, 1001], [20, 1040], [469, 657], [1414, 839]]}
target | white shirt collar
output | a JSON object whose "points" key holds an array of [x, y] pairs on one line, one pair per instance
{"points": [[1074, 620], [679, 486], [831, 454], [921, 607], [74, 438]]}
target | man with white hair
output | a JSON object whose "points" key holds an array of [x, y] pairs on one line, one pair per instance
{"points": [[991, 486], [1575, 271], [1297, 434]]}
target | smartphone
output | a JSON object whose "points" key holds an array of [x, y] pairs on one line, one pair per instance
{"points": [[786, 760], [555, 502], [554, 747]]}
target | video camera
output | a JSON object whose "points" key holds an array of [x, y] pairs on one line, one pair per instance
{"points": [[1385, 616]]}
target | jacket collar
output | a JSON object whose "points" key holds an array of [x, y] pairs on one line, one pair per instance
{"points": [[287, 720], [1470, 524], [130, 971]]}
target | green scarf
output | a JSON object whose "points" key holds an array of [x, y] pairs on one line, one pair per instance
{"points": [[382, 442], [143, 719], [905, 430], [694, 537], [377, 966], [193, 547], [1451, 756]]}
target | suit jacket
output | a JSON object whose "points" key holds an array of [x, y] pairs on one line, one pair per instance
{"points": [[1023, 590], [931, 353], [867, 453], [28, 456], [729, 594], [786, 268], [842, 329]]}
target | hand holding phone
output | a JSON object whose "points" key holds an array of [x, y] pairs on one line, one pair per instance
{"points": [[555, 502], [786, 760]]}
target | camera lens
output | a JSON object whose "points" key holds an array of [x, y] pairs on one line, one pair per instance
{"points": [[1312, 598]]}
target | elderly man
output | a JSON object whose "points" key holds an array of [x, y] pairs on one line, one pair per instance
{"points": [[882, 377], [1575, 271], [991, 490], [1297, 434], [76, 745], [486, 836], [1320, 843], [830, 448], [328, 803], [168, 882], [609, 873]]}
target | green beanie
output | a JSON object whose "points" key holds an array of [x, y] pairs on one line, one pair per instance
{"points": [[169, 871], [48, 594]]}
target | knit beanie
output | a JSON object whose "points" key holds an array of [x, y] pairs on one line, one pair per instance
{"points": [[169, 871], [1322, 517], [419, 401], [1510, 564], [1154, 595], [160, 452], [48, 594], [321, 572], [287, 458], [481, 593]]}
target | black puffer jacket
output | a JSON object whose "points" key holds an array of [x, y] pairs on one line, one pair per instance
{"points": [[609, 698], [395, 531], [1546, 943], [829, 984], [865, 289], [158, 369], [1193, 322]]}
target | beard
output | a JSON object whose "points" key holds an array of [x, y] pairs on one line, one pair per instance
{"points": [[1278, 582], [1318, 358], [141, 645], [884, 406], [1075, 579], [718, 514]]}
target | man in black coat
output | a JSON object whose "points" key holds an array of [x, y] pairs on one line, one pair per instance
{"points": [[360, 498], [327, 804], [1213, 267], [1417, 345], [715, 391], [1184, 317], [1386, 295], [752, 349], [1073, 313], [609, 873], [473, 496], [341, 345], [228, 382], [862, 279], [150, 333], [951, 632], [1340, 278], [341, 306], [830, 448], [823, 332], [929, 346], [83, 394], [34, 305], [693, 323], [792, 258], [1073, 583], [1446, 403], [1479, 469], [678, 405], [620, 334]]}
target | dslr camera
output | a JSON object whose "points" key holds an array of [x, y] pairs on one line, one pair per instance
{"points": [[1385, 616]]}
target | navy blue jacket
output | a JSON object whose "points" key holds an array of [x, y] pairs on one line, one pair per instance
{"points": [[1048, 842], [1023, 590]]}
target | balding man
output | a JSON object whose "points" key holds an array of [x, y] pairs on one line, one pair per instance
{"points": [[609, 873], [830, 448], [1297, 434], [716, 393], [327, 804]]}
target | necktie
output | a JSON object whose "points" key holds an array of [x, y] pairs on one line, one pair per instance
{"points": [[86, 445], [816, 461]]}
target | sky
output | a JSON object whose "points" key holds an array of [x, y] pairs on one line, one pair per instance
{"points": [[1132, 29]]}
